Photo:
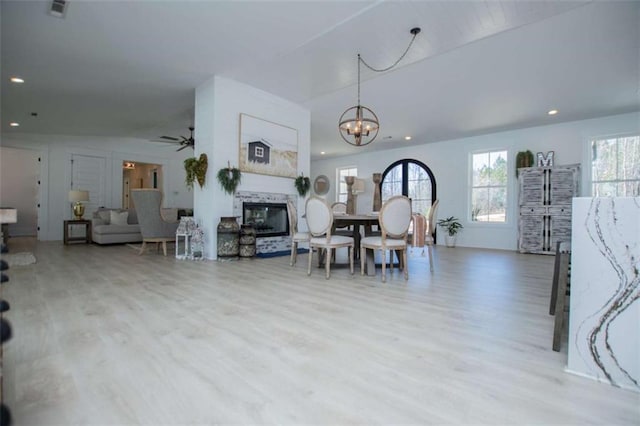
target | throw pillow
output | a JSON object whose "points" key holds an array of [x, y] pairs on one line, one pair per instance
{"points": [[119, 218], [105, 216]]}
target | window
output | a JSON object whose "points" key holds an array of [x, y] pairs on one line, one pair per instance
{"points": [[412, 179], [259, 151], [489, 186], [615, 167], [341, 187]]}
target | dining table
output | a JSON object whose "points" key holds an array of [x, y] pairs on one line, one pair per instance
{"points": [[358, 221]]}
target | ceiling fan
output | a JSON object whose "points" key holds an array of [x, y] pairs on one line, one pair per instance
{"points": [[183, 141]]}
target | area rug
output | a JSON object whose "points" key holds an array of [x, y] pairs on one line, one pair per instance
{"points": [[19, 259]]}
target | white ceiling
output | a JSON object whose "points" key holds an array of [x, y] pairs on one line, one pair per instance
{"points": [[130, 68]]}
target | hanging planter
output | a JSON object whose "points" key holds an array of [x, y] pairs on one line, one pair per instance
{"points": [[229, 178], [196, 169], [524, 159], [303, 184]]}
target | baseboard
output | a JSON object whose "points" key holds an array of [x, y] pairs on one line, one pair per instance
{"points": [[281, 253]]}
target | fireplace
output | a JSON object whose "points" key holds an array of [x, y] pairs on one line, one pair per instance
{"points": [[268, 219]]}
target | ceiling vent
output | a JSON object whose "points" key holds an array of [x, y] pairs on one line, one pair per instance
{"points": [[58, 8]]}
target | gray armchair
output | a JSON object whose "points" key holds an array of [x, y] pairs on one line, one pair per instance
{"points": [[153, 227]]}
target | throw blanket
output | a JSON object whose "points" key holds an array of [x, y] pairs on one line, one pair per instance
{"points": [[419, 229]]}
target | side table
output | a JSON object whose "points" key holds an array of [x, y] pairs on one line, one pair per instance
{"points": [[87, 233]]}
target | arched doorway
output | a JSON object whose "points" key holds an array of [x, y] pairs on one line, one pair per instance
{"points": [[413, 179]]}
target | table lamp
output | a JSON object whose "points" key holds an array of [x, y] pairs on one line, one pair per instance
{"points": [[77, 197]]}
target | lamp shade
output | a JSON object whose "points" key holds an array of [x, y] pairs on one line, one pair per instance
{"points": [[76, 196], [358, 186], [8, 215]]}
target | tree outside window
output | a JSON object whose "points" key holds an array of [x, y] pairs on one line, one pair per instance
{"points": [[489, 187], [615, 167]]}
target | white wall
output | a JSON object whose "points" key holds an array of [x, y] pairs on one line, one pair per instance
{"points": [[219, 103], [449, 161], [56, 151], [19, 175]]}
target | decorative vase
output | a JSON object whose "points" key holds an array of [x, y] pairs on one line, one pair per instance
{"points": [[247, 241], [196, 245], [351, 204], [228, 237], [377, 198]]}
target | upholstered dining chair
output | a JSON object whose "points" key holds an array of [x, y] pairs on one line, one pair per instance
{"points": [[429, 240], [296, 236], [153, 227], [320, 221], [340, 208], [394, 218]]}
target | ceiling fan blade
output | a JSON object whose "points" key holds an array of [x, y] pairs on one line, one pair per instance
{"points": [[169, 138], [163, 141], [181, 148]]}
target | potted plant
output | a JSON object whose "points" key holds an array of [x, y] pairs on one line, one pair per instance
{"points": [[524, 159], [196, 169], [303, 184], [452, 225], [229, 178]]}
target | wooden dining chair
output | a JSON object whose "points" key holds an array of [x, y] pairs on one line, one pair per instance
{"points": [[296, 236], [429, 240], [395, 218], [320, 221]]}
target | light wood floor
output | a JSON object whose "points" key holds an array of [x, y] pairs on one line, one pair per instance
{"points": [[104, 336]]}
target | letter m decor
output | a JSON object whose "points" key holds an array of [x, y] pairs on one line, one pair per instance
{"points": [[545, 161]]}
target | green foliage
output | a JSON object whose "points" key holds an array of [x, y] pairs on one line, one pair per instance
{"points": [[451, 224], [196, 169], [524, 159], [229, 179], [303, 184]]}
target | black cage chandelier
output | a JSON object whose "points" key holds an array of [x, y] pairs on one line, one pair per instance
{"points": [[359, 125]]}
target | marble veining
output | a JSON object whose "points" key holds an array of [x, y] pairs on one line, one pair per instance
{"points": [[605, 289]]}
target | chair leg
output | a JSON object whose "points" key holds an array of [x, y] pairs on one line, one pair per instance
{"points": [[144, 246], [164, 248], [384, 266], [391, 261], [405, 265], [310, 257], [430, 249], [362, 256], [327, 263], [561, 291], [351, 250], [294, 253]]}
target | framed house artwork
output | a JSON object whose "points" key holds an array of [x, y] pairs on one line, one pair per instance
{"points": [[267, 148]]}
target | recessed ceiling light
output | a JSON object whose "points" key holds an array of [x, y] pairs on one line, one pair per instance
{"points": [[552, 112], [16, 80], [407, 138], [14, 124], [322, 152]]}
